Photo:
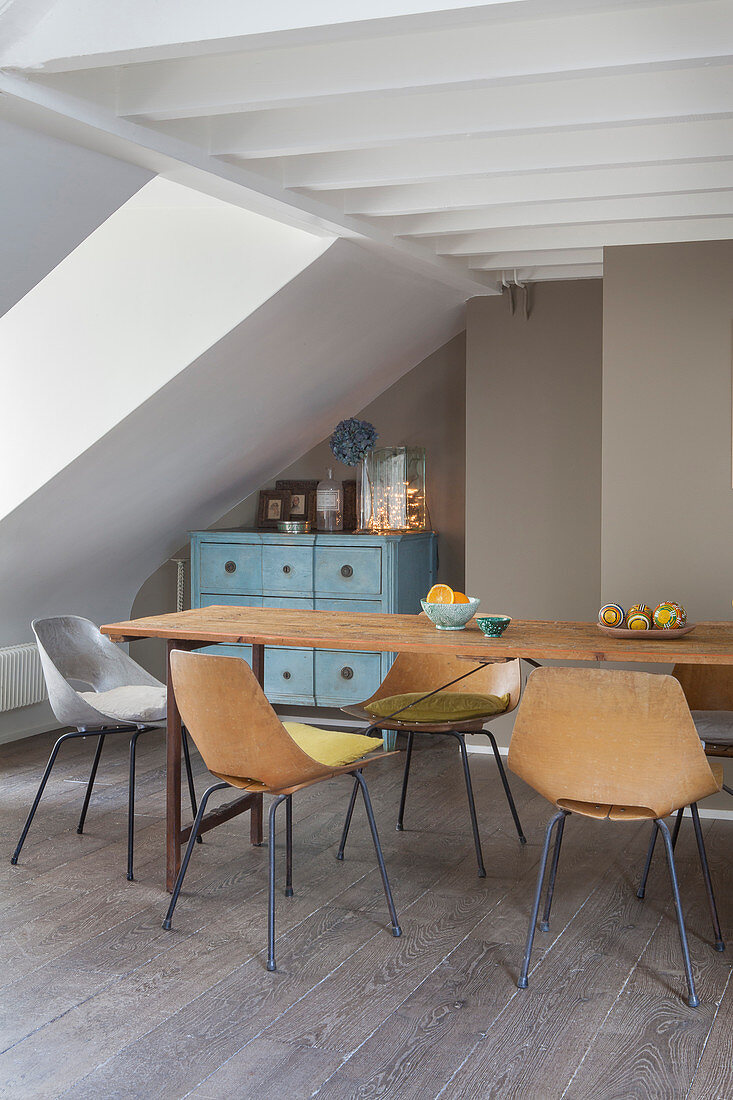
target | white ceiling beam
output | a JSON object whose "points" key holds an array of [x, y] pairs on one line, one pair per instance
{"points": [[477, 245], [369, 121], [88, 125], [419, 162], [86, 34], [639, 35], [648, 207], [548, 274], [592, 183], [557, 257]]}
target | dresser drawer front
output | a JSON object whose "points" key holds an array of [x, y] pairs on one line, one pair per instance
{"points": [[287, 570], [348, 571], [326, 603], [297, 603], [225, 599], [244, 652], [288, 673], [231, 567], [343, 677]]}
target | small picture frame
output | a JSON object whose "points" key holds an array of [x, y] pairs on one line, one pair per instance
{"points": [[302, 499], [274, 506]]}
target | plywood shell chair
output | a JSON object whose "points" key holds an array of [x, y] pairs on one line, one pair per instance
{"points": [[425, 673], [245, 745], [709, 693], [612, 745], [84, 671]]}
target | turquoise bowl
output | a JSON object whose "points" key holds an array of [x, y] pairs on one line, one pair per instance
{"points": [[451, 616], [493, 626]]}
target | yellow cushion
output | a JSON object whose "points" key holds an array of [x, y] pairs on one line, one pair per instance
{"points": [[444, 706], [331, 747]]}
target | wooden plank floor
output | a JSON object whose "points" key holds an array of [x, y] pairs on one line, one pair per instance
{"points": [[97, 1001]]}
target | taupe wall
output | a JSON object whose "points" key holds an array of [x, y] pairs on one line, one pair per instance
{"points": [[533, 452], [426, 406], [667, 498]]}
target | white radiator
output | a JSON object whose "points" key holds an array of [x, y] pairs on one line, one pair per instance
{"points": [[21, 676]]}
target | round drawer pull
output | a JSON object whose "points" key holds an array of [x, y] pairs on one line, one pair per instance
{"points": [[287, 569], [347, 571], [286, 675], [347, 673], [230, 566]]}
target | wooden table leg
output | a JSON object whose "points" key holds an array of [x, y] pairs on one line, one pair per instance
{"points": [[256, 813], [172, 781]]}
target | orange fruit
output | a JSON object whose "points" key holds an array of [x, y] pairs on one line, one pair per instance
{"points": [[440, 593], [460, 597]]}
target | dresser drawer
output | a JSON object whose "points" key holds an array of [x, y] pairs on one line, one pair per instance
{"points": [[244, 652], [326, 603], [231, 567], [287, 569], [225, 599], [288, 674], [348, 571], [343, 677], [297, 603]]}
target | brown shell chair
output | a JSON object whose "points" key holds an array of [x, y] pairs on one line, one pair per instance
{"points": [[600, 743], [245, 745], [425, 674], [709, 693]]}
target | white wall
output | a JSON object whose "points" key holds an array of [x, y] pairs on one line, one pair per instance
{"points": [[164, 278]]}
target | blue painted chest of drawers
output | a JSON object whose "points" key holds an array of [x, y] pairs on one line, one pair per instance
{"points": [[341, 572]]}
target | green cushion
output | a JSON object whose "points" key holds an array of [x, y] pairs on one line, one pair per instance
{"points": [[330, 747], [444, 706]]}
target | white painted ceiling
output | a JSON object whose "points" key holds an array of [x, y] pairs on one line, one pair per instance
{"points": [[472, 142]]}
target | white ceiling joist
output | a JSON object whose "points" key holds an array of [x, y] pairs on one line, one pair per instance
{"points": [[470, 55], [466, 137]]}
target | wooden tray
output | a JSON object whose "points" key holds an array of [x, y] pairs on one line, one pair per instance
{"points": [[660, 635]]}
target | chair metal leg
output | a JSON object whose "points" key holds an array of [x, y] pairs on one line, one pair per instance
{"points": [[361, 781], [90, 784], [729, 790], [650, 852], [405, 778], [719, 944], [522, 980], [641, 891], [189, 776], [692, 1000], [471, 803], [131, 805], [347, 823], [271, 889], [545, 922], [41, 788], [507, 788], [189, 849], [289, 846]]}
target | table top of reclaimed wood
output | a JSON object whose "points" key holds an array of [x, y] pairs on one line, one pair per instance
{"points": [[708, 643]]}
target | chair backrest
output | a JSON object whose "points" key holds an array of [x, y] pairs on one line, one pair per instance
{"points": [[235, 729], [608, 743], [706, 687], [428, 671], [75, 657]]}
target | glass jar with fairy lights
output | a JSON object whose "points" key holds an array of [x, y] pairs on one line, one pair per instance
{"points": [[395, 485]]}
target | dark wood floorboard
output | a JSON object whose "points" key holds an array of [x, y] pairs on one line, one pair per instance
{"points": [[97, 1001]]}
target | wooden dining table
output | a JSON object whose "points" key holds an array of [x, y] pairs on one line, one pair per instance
{"points": [[708, 643]]}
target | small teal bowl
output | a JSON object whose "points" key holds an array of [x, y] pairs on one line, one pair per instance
{"points": [[451, 616], [493, 626]]}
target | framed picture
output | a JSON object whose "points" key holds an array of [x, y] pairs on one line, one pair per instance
{"points": [[302, 499], [274, 505]]}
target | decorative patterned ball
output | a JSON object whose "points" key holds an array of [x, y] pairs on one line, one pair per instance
{"points": [[611, 614], [639, 609], [638, 620], [668, 616]]}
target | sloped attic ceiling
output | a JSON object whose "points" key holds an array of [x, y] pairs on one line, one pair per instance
{"points": [[326, 344]]}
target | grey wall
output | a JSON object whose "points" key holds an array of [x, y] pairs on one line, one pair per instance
{"points": [[667, 498], [533, 483], [426, 406]]}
